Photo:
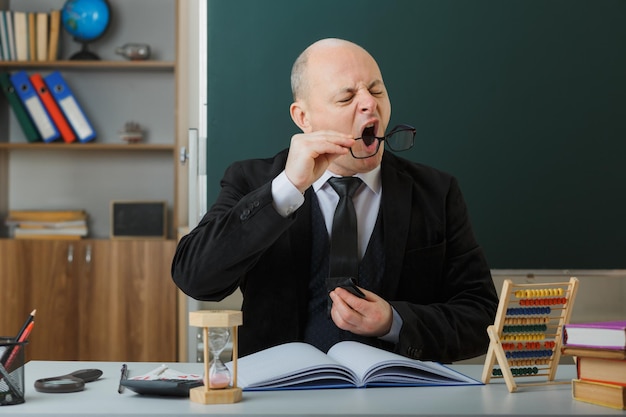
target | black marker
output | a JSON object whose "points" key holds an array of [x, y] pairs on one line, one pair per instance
{"points": [[123, 376]]}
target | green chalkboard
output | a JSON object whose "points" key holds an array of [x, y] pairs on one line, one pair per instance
{"points": [[524, 101]]}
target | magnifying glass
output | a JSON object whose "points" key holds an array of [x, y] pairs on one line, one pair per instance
{"points": [[68, 383]]}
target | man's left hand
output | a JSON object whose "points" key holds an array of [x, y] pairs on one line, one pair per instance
{"points": [[369, 316]]}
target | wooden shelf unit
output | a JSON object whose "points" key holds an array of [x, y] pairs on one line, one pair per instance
{"points": [[97, 298]]}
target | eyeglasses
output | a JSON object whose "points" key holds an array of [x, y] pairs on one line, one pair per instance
{"points": [[400, 138]]}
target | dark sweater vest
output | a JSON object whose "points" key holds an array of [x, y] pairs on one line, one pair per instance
{"points": [[320, 330]]}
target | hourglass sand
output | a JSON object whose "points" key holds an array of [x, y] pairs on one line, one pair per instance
{"points": [[219, 375], [217, 327]]}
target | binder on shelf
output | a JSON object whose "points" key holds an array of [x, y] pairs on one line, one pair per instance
{"points": [[71, 109], [53, 41], [35, 108], [42, 36], [56, 114], [20, 25], [27, 125]]}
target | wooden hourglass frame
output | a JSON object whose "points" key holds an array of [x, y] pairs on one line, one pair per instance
{"points": [[526, 336], [207, 319]]}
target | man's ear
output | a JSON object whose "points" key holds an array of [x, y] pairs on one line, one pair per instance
{"points": [[299, 117]]}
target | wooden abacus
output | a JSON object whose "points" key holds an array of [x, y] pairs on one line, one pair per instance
{"points": [[526, 336]]}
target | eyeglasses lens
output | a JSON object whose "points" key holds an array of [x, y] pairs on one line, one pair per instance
{"points": [[401, 140]]}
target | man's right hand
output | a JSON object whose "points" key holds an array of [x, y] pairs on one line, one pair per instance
{"points": [[310, 154]]}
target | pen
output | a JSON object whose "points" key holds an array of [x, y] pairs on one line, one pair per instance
{"points": [[18, 338], [16, 349], [29, 319], [123, 376]]}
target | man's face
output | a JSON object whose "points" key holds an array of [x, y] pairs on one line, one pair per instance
{"points": [[346, 93]]}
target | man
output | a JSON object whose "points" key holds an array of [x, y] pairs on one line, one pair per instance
{"points": [[428, 292]]}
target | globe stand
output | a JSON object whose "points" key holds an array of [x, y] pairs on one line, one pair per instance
{"points": [[84, 54], [206, 319]]}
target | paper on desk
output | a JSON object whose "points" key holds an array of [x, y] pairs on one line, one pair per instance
{"points": [[164, 372]]}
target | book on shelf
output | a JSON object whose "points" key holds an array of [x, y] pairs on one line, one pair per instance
{"points": [[27, 125], [605, 334], [20, 26], [609, 371], [53, 35], [42, 36], [29, 36], [607, 395], [53, 232], [347, 364], [46, 215], [4, 37], [8, 25], [38, 224], [30, 224], [32, 36]]}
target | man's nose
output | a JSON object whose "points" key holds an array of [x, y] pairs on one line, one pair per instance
{"points": [[367, 102]]}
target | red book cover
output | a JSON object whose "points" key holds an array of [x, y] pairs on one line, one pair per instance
{"points": [[53, 109]]}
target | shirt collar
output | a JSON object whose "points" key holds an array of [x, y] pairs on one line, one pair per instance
{"points": [[371, 179]]}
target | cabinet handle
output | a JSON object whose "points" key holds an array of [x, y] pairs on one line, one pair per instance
{"points": [[88, 254], [183, 155], [70, 254]]}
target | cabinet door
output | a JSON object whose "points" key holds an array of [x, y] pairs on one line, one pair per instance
{"points": [[128, 301], [39, 274], [12, 288]]}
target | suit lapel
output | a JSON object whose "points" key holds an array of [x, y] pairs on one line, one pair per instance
{"points": [[396, 206]]}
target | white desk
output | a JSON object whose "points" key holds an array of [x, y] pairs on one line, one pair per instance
{"points": [[100, 398]]}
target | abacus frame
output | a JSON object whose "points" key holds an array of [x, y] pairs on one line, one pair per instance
{"points": [[546, 325]]}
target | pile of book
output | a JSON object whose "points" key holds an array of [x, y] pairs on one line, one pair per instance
{"points": [[29, 36], [47, 224], [599, 349]]}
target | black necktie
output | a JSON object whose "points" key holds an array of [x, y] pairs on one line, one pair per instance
{"points": [[344, 257]]}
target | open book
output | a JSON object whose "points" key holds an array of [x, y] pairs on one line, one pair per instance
{"points": [[348, 364]]}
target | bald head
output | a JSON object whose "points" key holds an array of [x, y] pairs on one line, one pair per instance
{"points": [[299, 79]]}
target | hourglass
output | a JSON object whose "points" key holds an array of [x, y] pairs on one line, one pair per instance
{"points": [[219, 375], [217, 328]]}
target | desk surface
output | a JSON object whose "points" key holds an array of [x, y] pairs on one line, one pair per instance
{"points": [[101, 398]]}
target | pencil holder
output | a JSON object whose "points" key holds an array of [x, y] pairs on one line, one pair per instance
{"points": [[11, 371]]}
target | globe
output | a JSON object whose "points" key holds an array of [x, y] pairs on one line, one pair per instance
{"points": [[86, 21]]}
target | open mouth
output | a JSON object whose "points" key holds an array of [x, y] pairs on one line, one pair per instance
{"points": [[369, 135]]}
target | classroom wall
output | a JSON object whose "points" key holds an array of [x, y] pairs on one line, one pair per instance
{"points": [[523, 100]]}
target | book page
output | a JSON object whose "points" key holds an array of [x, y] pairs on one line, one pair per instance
{"points": [[286, 365], [376, 366]]}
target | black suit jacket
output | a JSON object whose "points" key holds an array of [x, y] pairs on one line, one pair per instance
{"points": [[436, 275]]}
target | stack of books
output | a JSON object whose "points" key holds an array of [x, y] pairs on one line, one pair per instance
{"points": [[29, 36], [600, 354], [47, 224]]}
